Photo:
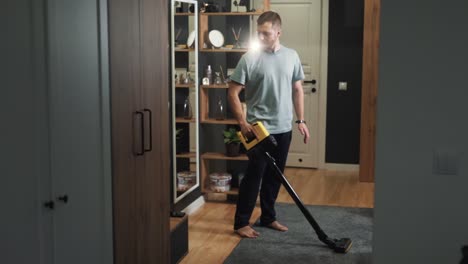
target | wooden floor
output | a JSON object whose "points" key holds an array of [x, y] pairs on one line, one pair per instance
{"points": [[211, 236]]}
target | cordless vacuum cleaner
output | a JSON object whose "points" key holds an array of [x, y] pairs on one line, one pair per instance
{"points": [[262, 144]]}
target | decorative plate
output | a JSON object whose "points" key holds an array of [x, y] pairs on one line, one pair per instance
{"points": [[216, 38], [191, 39]]}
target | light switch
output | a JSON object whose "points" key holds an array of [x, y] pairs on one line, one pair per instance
{"points": [[342, 86]]}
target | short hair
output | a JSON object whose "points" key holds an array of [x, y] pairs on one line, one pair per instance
{"points": [[269, 16]]}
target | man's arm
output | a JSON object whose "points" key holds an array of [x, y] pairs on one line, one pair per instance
{"points": [[236, 107], [298, 98]]}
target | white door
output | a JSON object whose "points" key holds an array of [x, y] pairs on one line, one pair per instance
{"points": [[79, 132], [25, 224], [301, 30]]}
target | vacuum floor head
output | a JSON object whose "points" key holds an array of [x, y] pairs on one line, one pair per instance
{"points": [[342, 245]]}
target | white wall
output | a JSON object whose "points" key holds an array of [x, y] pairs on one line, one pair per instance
{"points": [[421, 216]]}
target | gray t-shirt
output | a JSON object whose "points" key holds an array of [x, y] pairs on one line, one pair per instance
{"points": [[268, 78]]}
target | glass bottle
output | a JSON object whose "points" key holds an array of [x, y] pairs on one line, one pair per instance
{"points": [[217, 79], [219, 111], [189, 78], [187, 109], [209, 74]]}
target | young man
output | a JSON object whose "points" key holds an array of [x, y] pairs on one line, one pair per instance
{"points": [[272, 78]]}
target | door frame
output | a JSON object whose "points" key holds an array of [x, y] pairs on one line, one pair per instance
{"points": [[370, 69], [371, 33], [322, 111]]}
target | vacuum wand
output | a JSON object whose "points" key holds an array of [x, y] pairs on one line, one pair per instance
{"points": [[261, 145], [339, 245]]}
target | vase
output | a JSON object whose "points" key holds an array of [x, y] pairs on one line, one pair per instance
{"points": [[187, 108], [219, 111]]}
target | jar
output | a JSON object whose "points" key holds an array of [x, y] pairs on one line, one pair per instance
{"points": [[220, 182]]}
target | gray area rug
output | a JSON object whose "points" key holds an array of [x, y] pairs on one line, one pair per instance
{"points": [[300, 243]]}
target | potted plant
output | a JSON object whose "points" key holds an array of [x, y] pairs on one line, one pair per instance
{"points": [[232, 142]]}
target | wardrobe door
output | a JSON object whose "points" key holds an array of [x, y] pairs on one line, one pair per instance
{"points": [[154, 83], [139, 109], [124, 57]]}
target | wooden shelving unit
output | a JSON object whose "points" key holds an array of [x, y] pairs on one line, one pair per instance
{"points": [[231, 14], [203, 28], [205, 162], [225, 50], [183, 120], [185, 85], [184, 14], [220, 122], [187, 155], [204, 95], [204, 106], [183, 50]]}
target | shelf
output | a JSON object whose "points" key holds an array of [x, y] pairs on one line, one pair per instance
{"points": [[183, 50], [215, 86], [204, 167], [184, 14], [215, 121], [185, 85], [187, 155], [224, 50], [183, 120], [204, 109], [221, 156], [231, 14]]}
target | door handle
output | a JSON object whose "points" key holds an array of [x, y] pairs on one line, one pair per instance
{"points": [[312, 81], [49, 204], [150, 130], [63, 198], [142, 134]]}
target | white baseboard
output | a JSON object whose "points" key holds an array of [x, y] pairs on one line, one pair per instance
{"points": [[194, 206], [342, 167]]}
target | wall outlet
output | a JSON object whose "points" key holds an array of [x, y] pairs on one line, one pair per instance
{"points": [[342, 86]]}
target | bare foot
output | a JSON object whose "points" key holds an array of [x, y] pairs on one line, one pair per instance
{"points": [[277, 226], [248, 232]]}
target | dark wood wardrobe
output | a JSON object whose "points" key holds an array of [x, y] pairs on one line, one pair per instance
{"points": [[139, 72]]}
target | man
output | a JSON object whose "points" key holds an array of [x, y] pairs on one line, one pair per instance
{"points": [[272, 79]]}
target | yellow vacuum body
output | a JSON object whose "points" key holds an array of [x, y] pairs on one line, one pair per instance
{"points": [[261, 133]]}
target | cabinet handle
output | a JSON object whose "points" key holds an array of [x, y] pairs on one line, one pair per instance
{"points": [[142, 134], [150, 130], [49, 204], [63, 198]]}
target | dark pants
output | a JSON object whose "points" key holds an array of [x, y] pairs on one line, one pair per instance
{"points": [[258, 171]]}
